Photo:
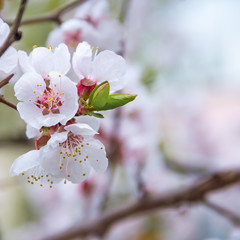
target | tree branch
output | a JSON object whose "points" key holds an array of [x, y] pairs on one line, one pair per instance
{"points": [[224, 212], [10, 104], [14, 35], [54, 16], [6, 80], [192, 194]]}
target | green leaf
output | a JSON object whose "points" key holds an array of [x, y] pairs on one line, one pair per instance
{"points": [[94, 91], [117, 100], [98, 115], [100, 97]]}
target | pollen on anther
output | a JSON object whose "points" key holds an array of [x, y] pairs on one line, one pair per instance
{"points": [[59, 75], [30, 100], [84, 174], [65, 181], [97, 160], [60, 167], [101, 148], [41, 185], [68, 175], [50, 186], [23, 173], [34, 46], [62, 164]]}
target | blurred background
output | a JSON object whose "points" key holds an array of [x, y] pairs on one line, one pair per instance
{"points": [[184, 63]]}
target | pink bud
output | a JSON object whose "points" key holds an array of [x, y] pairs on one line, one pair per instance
{"points": [[85, 87]]}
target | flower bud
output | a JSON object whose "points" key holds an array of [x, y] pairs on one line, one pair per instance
{"points": [[85, 87]]}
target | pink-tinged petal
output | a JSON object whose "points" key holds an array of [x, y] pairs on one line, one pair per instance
{"points": [[25, 162], [9, 60], [25, 62], [68, 94], [55, 37], [80, 129], [4, 31], [96, 153], [29, 86], [108, 66], [77, 171], [42, 60], [62, 59], [82, 60], [91, 121]]}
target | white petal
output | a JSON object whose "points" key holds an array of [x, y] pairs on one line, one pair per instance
{"points": [[82, 60], [57, 138], [78, 171], [62, 59], [108, 66], [30, 114], [80, 129], [25, 62], [32, 132], [25, 162], [96, 155], [9, 60], [27, 84], [91, 121], [43, 60], [50, 160], [4, 31]]}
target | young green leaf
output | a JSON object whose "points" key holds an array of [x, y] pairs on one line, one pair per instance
{"points": [[94, 91], [117, 100], [100, 97], [98, 115]]}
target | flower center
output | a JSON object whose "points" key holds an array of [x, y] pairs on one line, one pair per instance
{"points": [[72, 38], [48, 100]]}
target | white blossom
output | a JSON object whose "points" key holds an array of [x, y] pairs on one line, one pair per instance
{"points": [[68, 155], [105, 66], [92, 23], [46, 102]]}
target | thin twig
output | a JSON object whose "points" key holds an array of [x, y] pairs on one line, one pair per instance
{"points": [[6, 80], [193, 194], [14, 35], [224, 212], [10, 104], [53, 16]]}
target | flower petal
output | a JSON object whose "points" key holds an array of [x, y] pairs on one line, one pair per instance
{"points": [[25, 162], [67, 87], [42, 60], [9, 60], [91, 121], [57, 138], [96, 153], [4, 31], [77, 171], [27, 84], [32, 132], [62, 59], [80, 129], [82, 60], [25, 62], [108, 66]]}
